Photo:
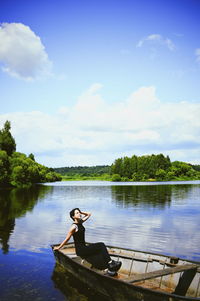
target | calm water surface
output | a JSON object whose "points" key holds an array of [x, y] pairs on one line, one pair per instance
{"points": [[157, 217]]}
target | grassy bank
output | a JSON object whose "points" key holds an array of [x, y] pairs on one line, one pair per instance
{"points": [[107, 177], [103, 177]]}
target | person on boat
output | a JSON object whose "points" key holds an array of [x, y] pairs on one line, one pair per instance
{"points": [[77, 230]]}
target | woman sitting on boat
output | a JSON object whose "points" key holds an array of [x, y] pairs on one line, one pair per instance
{"points": [[98, 249]]}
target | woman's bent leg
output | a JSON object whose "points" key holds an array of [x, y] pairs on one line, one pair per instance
{"points": [[98, 255], [96, 248]]}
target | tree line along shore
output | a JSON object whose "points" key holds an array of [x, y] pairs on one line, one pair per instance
{"points": [[135, 168], [20, 170]]}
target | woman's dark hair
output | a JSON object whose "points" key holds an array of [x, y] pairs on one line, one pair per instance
{"points": [[72, 212]]}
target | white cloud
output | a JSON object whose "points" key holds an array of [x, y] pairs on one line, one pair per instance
{"points": [[157, 38], [22, 52], [95, 132], [197, 53]]}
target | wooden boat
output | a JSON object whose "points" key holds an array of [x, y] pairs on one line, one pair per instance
{"points": [[142, 277]]}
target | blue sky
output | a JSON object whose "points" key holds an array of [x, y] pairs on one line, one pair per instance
{"points": [[86, 82]]}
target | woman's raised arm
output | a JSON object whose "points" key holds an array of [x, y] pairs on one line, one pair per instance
{"points": [[86, 215]]}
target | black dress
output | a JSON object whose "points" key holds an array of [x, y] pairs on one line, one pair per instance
{"points": [[95, 253]]}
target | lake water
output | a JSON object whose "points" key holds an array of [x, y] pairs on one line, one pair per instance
{"points": [[157, 217]]}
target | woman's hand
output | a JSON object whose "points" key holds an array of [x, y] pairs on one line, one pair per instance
{"points": [[86, 215], [56, 248]]}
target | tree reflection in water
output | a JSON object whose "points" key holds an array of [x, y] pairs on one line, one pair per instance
{"points": [[15, 203], [158, 196]]}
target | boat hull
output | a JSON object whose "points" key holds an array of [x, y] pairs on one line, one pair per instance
{"points": [[111, 287]]}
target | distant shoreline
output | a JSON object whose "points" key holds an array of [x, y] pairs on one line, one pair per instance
{"points": [[108, 178]]}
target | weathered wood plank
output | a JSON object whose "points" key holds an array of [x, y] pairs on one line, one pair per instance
{"points": [[184, 282], [160, 273], [133, 258]]}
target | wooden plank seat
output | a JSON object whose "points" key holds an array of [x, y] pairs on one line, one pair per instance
{"points": [[160, 273], [133, 258], [143, 259], [97, 261]]}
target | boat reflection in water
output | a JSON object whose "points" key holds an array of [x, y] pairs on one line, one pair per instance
{"points": [[73, 288]]}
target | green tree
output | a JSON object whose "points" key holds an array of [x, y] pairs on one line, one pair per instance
{"points": [[162, 162], [7, 142], [31, 156], [33, 173], [134, 177], [116, 178], [143, 163], [20, 170], [117, 167], [127, 171], [134, 160], [170, 175], [160, 174], [4, 168], [191, 173], [180, 168], [16, 168], [52, 177], [18, 177]]}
